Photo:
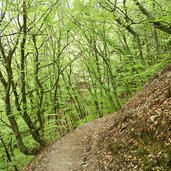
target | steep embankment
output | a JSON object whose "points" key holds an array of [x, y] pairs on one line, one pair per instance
{"points": [[136, 138]]}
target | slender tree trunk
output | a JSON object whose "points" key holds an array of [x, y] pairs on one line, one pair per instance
{"points": [[34, 131], [39, 87]]}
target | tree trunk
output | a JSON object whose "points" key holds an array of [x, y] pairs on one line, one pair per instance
{"points": [[34, 131]]}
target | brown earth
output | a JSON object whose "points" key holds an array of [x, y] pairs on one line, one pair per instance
{"points": [[136, 138]]}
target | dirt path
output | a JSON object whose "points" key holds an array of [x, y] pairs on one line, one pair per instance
{"points": [[70, 153]]}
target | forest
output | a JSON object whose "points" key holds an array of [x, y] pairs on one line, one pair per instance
{"points": [[64, 63]]}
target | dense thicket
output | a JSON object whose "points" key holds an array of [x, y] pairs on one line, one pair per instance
{"points": [[63, 63]]}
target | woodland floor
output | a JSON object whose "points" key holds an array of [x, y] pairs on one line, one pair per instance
{"points": [[135, 138]]}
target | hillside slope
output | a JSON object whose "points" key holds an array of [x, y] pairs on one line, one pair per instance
{"points": [[140, 138], [136, 138]]}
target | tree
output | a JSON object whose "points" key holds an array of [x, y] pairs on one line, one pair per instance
{"points": [[11, 53], [65, 63]]}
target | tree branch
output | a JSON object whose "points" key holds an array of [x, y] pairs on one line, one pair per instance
{"points": [[157, 24]]}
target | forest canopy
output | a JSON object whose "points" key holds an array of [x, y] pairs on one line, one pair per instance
{"points": [[64, 63]]}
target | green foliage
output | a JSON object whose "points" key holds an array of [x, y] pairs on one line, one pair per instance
{"points": [[80, 64], [20, 160]]}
